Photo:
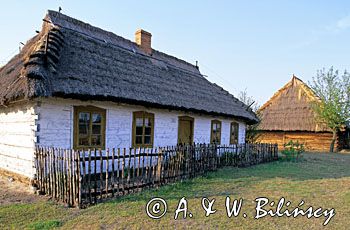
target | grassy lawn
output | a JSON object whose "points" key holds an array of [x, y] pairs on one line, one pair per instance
{"points": [[321, 180]]}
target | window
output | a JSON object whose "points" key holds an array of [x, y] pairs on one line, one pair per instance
{"points": [[234, 133], [89, 127], [143, 127], [215, 137]]}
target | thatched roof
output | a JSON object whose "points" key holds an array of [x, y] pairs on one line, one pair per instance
{"points": [[289, 109], [85, 62]]}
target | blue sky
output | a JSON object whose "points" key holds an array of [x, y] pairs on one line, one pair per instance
{"points": [[253, 45]]}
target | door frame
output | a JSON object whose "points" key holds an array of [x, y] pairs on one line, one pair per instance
{"points": [[191, 120]]}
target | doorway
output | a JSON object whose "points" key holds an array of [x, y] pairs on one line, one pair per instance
{"points": [[185, 133]]}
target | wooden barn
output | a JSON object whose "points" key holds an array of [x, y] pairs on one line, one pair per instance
{"points": [[288, 115]]}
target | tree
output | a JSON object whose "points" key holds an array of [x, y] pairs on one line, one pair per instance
{"points": [[248, 100], [333, 105], [252, 133]]}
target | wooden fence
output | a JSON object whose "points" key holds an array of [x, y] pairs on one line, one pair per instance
{"points": [[81, 177]]}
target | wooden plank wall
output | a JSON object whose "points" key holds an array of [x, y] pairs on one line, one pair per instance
{"points": [[318, 142]]}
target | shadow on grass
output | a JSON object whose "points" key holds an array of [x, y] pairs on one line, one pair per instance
{"points": [[227, 180]]}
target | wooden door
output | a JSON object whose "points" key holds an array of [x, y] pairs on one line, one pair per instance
{"points": [[185, 133]]}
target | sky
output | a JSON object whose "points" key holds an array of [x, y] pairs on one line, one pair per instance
{"points": [[241, 45]]}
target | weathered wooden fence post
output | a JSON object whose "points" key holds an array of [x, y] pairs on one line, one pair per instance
{"points": [[77, 179], [159, 166]]}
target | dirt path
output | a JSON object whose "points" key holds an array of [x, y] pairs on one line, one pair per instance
{"points": [[12, 192]]}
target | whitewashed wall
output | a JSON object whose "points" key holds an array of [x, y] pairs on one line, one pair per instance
{"points": [[49, 122], [56, 124], [17, 138]]}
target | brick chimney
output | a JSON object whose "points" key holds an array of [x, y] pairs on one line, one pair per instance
{"points": [[143, 39]]}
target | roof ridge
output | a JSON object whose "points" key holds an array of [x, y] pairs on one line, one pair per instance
{"points": [[176, 58], [119, 74], [290, 109], [268, 102], [294, 77], [309, 92], [57, 15]]}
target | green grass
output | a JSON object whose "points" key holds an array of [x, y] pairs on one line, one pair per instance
{"points": [[318, 179], [43, 225]]}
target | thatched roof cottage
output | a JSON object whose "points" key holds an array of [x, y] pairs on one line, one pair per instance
{"points": [[74, 85], [288, 115]]}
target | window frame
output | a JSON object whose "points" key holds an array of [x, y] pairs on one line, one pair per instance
{"points": [[237, 132], [90, 110], [212, 132], [143, 115]]}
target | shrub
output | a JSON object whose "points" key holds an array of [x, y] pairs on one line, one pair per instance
{"points": [[293, 150]]}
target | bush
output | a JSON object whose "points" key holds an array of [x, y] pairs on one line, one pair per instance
{"points": [[293, 150]]}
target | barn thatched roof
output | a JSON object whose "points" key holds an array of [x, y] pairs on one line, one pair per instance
{"points": [[290, 109], [85, 62]]}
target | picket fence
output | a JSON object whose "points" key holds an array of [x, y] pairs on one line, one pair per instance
{"points": [[82, 177]]}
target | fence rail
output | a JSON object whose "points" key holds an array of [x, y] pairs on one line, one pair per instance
{"points": [[82, 177]]}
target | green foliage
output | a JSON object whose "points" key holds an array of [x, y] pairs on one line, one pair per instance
{"points": [[126, 172], [49, 224], [293, 150], [252, 133], [333, 106]]}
